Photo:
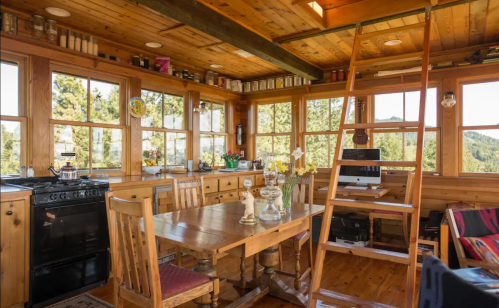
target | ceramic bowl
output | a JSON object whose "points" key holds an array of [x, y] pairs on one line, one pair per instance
{"points": [[152, 169]]}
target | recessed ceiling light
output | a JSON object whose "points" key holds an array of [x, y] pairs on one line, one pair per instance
{"points": [[216, 65], [392, 42], [57, 11], [153, 45], [243, 53]]}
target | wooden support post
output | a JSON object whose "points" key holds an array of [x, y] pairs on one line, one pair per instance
{"points": [[194, 129], [135, 130], [450, 132]]}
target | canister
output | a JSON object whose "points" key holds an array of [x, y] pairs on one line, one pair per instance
{"points": [[262, 85], [228, 83], [297, 80], [279, 82], [247, 87], [254, 86], [271, 84], [306, 82], [288, 81]]}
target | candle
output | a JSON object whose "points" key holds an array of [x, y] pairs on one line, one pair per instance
{"points": [[63, 39]]}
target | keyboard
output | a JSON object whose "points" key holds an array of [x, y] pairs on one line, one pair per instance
{"points": [[357, 187]]}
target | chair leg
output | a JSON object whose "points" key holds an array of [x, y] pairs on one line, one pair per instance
{"points": [[297, 268], [178, 256], [255, 265], [406, 231], [214, 299], [281, 265], [310, 256], [371, 230], [243, 274]]}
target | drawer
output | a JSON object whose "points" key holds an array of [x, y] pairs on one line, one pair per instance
{"points": [[229, 196], [211, 200], [242, 178], [228, 183], [260, 180], [252, 191], [210, 186], [134, 194]]}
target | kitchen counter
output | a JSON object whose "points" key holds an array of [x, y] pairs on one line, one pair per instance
{"points": [[9, 192], [166, 178]]}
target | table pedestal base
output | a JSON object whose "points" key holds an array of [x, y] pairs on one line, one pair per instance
{"points": [[205, 267]]}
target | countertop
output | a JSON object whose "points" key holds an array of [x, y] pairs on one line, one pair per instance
{"points": [[10, 192], [166, 178]]}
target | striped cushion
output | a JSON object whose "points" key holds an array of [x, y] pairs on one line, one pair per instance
{"points": [[484, 248]]}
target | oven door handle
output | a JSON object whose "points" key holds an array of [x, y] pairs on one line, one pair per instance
{"points": [[62, 206], [91, 257]]}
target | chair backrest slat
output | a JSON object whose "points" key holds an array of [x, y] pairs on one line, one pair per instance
{"points": [[299, 192], [133, 252], [185, 194], [409, 187]]}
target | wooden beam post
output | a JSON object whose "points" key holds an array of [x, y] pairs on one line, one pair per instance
{"points": [[135, 131], [199, 16], [450, 131], [194, 100]]}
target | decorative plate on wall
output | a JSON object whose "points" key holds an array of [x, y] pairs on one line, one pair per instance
{"points": [[137, 107]]}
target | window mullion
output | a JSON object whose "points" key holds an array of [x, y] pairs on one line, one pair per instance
{"points": [[273, 129], [90, 149], [89, 94]]}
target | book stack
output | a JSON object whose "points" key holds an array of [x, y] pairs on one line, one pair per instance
{"points": [[480, 278], [493, 55]]}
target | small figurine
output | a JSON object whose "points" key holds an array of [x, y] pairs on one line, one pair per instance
{"points": [[249, 209]]}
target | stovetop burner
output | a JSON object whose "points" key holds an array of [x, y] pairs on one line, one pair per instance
{"points": [[53, 184]]}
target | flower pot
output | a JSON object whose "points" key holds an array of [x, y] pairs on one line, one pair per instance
{"points": [[231, 164]]}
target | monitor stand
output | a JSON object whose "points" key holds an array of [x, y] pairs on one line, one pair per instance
{"points": [[359, 186]]}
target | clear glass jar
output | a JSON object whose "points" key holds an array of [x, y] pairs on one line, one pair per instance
{"points": [[270, 191], [71, 39], [63, 38], [78, 42]]}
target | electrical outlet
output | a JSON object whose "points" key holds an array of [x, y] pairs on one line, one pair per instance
{"points": [[242, 153]]}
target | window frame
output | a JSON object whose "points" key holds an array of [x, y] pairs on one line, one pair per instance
{"points": [[89, 75], [157, 89], [274, 134], [22, 65], [437, 128], [328, 132], [462, 128], [212, 101]]}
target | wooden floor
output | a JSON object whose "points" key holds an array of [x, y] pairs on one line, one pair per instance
{"points": [[376, 280]]}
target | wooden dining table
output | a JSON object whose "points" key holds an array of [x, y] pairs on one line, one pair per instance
{"points": [[212, 230]]}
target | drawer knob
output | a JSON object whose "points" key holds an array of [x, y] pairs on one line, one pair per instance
{"points": [[207, 186], [134, 196], [230, 183], [221, 197], [9, 213]]}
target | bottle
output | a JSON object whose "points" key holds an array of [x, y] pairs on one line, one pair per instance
{"points": [[141, 60], [30, 173], [334, 76], [135, 61]]}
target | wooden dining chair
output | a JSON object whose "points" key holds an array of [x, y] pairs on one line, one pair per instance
{"points": [[404, 217], [137, 276], [185, 194], [297, 241]]}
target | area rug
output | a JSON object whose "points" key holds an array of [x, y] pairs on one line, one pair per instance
{"points": [[82, 301]]}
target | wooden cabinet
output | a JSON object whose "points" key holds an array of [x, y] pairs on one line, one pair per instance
{"points": [[14, 253], [228, 183], [260, 180], [210, 186], [228, 196], [213, 199], [133, 194]]}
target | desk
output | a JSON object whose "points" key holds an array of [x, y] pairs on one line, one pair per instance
{"points": [[215, 229], [373, 193]]}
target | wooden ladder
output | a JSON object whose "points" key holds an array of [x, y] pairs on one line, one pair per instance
{"points": [[324, 245]]}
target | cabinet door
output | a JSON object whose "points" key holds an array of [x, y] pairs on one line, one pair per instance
{"points": [[229, 196], [13, 242], [133, 194], [260, 180], [210, 186], [210, 200], [228, 183]]}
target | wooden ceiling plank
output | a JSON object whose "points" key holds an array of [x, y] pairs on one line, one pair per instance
{"points": [[397, 49], [407, 39], [212, 45], [203, 18], [478, 19], [340, 43], [294, 9], [295, 2], [417, 37], [461, 19], [445, 26], [492, 24], [331, 4], [332, 48], [172, 29], [313, 13], [435, 40], [329, 54]]}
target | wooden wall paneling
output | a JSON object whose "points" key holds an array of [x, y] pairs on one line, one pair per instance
{"points": [[492, 20], [461, 21], [135, 129], [250, 133], [233, 120], [41, 106], [449, 129], [194, 100]]}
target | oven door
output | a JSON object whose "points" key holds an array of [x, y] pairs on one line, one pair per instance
{"points": [[68, 230]]}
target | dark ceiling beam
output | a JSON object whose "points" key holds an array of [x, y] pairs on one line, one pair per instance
{"points": [[204, 19], [297, 37]]}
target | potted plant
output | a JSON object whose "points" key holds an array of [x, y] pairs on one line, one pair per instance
{"points": [[231, 159], [289, 176]]}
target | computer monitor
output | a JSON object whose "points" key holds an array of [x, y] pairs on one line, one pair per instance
{"points": [[362, 175]]}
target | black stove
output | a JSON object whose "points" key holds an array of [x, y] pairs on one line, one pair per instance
{"points": [[69, 237], [50, 190]]}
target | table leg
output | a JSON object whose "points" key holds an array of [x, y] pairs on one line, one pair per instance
{"points": [[205, 267], [268, 259]]}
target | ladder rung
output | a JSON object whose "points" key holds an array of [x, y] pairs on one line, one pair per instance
{"points": [[336, 298], [403, 87], [381, 125], [389, 60], [374, 205], [367, 252], [377, 163], [392, 31]]}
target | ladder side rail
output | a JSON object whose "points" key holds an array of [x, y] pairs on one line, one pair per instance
{"points": [[333, 184], [418, 177]]}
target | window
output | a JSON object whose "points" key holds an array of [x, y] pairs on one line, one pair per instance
{"points": [[87, 119], [479, 130], [274, 129], [213, 141], [12, 114], [323, 117], [163, 127], [400, 144]]}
